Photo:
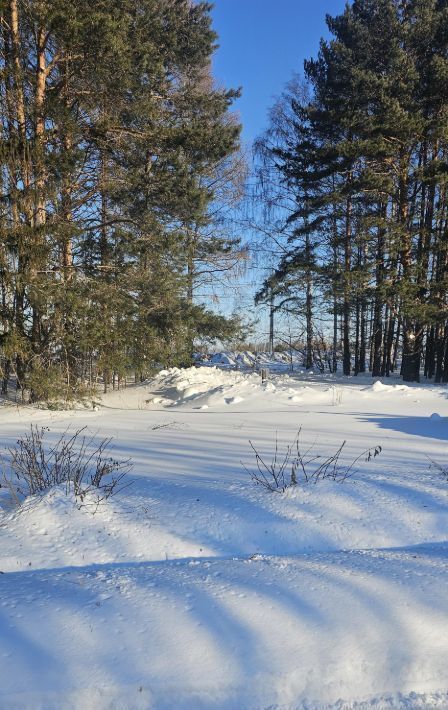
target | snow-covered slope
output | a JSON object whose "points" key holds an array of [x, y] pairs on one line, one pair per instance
{"points": [[194, 588]]}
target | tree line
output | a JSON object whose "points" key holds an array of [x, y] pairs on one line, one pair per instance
{"points": [[353, 171], [119, 161]]}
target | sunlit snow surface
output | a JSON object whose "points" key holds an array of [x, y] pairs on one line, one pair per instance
{"points": [[195, 588]]}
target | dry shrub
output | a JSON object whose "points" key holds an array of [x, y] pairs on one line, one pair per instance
{"points": [[80, 462], [295, 465]]}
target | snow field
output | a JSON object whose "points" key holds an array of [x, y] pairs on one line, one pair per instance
{"points": [[194, 588]]}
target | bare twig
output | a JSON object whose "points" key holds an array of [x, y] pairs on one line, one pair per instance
{"points": [[80, 462], [282, 473]]}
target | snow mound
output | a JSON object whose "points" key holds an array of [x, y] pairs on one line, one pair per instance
{"points": [[246, 360], [202, 387], [205, 386], [214, 386], [379, 386], [223, 359], [54, 530]]}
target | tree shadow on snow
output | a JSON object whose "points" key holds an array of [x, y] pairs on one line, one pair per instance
{"points": [[426, 427], [244, 611]]}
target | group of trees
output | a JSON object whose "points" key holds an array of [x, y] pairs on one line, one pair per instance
{"points": [[354, 170], [118, 161]]}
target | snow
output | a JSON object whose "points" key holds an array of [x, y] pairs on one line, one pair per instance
{"points": [[245, 360], [195, 588]]}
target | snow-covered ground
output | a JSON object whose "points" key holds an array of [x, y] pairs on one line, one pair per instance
{"points": [[195, 588]]}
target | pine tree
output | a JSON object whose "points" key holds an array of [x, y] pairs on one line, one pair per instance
{"points": [[107, 131], [366, 154]]}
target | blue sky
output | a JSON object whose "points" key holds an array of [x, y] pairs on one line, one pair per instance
{"points": [[262, 42]]}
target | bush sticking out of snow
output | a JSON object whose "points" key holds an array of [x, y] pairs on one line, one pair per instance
{"points": [[441, 468], [285, 470], [77, 461]]}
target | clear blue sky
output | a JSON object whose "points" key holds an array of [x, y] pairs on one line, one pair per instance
{"points": [[262, 42]]}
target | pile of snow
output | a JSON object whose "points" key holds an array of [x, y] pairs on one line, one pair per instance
{"points": [[219, 387], [208, 386], [223, 359], [379, 386], [198, 386], [247, 360], [204, 387]]}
